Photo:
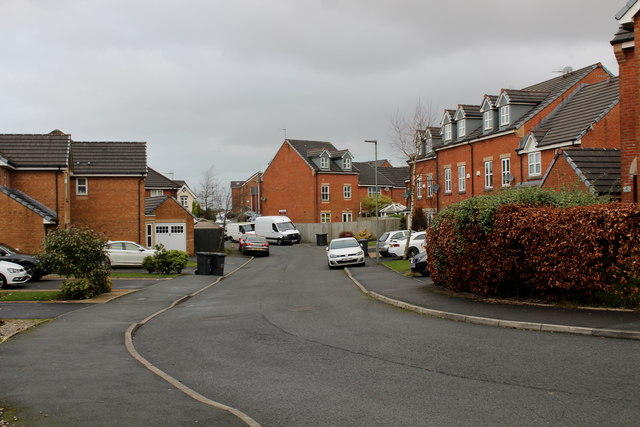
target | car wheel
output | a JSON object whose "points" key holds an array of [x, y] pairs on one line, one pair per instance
{"points": [[3, 281], [30, 271], [412, 252]]}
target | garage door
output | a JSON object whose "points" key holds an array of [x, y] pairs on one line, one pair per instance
{"points": [[172, 235]]}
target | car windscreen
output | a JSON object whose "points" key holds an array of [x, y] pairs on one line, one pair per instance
{"points": [[246, 228], [341, 244], [252, 238], [286, 226], [8, 249]]}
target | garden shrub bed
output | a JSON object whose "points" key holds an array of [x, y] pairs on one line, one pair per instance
{"points": [[552, 250]]}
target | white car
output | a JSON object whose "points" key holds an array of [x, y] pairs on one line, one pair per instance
{"points": [[127, 253], [12, 274], [387, 237], [344, 251], [416, 245]]}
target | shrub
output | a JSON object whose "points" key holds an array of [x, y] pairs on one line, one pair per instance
{"points": [[419, 221], [165, 261], [79, 254], [364, 234]]}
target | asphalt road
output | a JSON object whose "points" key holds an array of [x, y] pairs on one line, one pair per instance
{"points": [[291, 343]]}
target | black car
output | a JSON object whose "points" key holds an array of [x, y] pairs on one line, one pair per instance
{"points": [[28, 262], [418, 264]]}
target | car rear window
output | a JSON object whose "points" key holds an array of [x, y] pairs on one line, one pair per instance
{"points": [[383, 237]]}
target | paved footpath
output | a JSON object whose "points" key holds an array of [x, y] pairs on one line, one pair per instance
{"points": [[82, 361], [422, 293]]}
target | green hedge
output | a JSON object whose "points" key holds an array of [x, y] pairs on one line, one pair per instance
{"points": [[536, 243]]}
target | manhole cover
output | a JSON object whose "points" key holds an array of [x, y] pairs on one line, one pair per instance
{"points": [[304, 308]]}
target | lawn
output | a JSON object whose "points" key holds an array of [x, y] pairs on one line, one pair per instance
{"points": [[131, 275], [401, 266], [29, 296]]}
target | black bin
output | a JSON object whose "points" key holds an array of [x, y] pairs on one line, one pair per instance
{"points": [[364, 244], [321, 239], [210, 263]]}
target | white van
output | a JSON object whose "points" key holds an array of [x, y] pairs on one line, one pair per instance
{"points": [[234, 230], [277, 228]]}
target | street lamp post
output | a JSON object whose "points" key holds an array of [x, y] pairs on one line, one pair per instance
{"points": [[375, 171]]}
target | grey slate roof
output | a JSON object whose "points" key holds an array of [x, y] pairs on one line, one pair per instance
{"points": [[526, 96], [35, 151], [237, 184], [307, 148], [471, 111], [109, 158], [576, 115], [156, 180], [31, 204], [367, 175], [623, 35], [599, 168], [397, 176], [625, 9], [153, 203]]}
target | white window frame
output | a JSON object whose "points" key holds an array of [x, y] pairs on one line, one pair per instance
{"points": [[462, 180], [324, 192], [488, 120], [371, 191], [346, 162], [347, 217], [324, 162], [157, 193], [429, 186], [535, 163], [428, 146], [82, 186], [325, 217], [505, 113], [184, 200], [488, 174], [462, 128], [419, 187], [447, 180], [346, 191], [506, 171], [149, 235], [447, 132]]}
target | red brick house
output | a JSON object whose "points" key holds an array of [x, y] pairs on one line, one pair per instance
{"points": [[169, 223], [49, 181], [156, 184], [624, 48], [245, 195], [512, 138]]}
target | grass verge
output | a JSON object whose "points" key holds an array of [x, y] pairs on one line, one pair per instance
{"points": [[7, 296], [130, 275], [401, 266]]}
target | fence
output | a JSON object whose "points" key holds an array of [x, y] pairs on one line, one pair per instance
{"points": [[308, 231]]}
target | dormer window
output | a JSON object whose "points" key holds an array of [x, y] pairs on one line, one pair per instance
{"points": [[462, 128], [487, 118], [447, 132], [504, 115], [428, 148], [346, 163], [324, 162]]}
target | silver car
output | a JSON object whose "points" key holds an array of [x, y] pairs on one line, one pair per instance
{"points": [[385, 239]]}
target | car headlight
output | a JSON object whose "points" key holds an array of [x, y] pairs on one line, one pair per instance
{"points": [[333, 256], [15, 270]]}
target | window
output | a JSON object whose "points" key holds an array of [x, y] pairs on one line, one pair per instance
{"points": [[447, 132], [346, 163], [428, 146], [162, 229], [462, 128], [156, 193], [447, 180], [462, 182], [149, 232], [324, 192], [429, 186], [82, 186], [488, 174], [324, 162], [535, 166], [184, 200], [347, 217], [346, 190], [488, 120], [504, 115], [325, 216], [177, 229], [506, 172], [419, 187], [371, 191]]}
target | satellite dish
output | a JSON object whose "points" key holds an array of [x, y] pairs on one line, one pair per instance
{"points": [[435, 188], [567, 70], [510, 177]]}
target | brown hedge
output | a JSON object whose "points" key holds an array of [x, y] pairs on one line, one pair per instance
{"points": [[548, 252]]}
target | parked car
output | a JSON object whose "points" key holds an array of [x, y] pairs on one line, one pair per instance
{"points": [[385, 239], [12, 274], [28, 262], [418, 263], [344, 251], [255, 244], [416, 245], [127, 253]]}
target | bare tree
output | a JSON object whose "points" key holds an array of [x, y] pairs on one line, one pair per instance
{"points": [[408, 138], [208, 191]]}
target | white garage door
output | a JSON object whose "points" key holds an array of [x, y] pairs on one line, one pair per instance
{"points": [[172, 235]]}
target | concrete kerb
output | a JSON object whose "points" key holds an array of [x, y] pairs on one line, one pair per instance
{"points": [[486, 321], [128, 340]]}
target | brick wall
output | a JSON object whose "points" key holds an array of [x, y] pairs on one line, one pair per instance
{"points": [[47, 187], [114, 207], [563, 177], [20, 227], [170, 211]]}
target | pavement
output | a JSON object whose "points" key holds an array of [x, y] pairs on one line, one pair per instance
{"points": [[421, 296]]}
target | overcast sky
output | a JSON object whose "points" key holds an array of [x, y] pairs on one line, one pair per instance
{"points": [[214, 83]]}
